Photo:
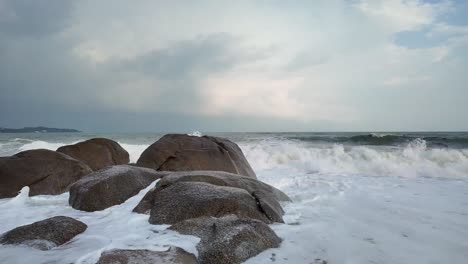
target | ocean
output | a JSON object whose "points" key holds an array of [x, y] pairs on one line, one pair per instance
{"points": [[357, 198]]}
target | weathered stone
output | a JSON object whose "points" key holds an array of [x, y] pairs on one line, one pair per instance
{"points": [[44, 171], [228, 240], [45, 234], [266, 195], [185, 200], [98, 153], [110, 186], [125, 256], [177, 152]]}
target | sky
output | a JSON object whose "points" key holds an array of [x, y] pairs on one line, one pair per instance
{"points": [[266, 65]]}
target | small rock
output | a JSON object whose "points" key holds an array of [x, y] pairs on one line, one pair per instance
{"points": [[45, 234], [228, 240], [174, 255]]}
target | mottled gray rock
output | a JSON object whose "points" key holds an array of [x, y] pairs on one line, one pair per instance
{"points": [[177, 152], [125, 256], [110, 186], [44, 171], [228, 240], [266, 195], [185, 200], [45, 234], [98, 153]]}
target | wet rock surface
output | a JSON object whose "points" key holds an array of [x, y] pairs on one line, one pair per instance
{"points": [[44, 171], [266, 196], [125, 256], [185, 200], [45, 234], [178, 152], [97, 153], [110, 186], [228, 239]]}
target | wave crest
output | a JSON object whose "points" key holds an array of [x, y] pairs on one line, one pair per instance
{"points": [[414, 159]]}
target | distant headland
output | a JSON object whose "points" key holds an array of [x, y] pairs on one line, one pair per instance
{"points": [[39, 129]]}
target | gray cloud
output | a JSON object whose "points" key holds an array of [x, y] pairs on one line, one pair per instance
{"points": [[34, 17], [64, 62], [189, 58]]}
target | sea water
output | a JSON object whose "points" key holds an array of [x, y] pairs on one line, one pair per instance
{"points": [[357, 198]]}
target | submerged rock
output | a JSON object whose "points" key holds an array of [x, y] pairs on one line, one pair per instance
{"points": [[45, 234], [174, 255], [98, 153], [44, 171], [110, 186], [267, 197], [185, 200], [177, 152], [228, 240]]}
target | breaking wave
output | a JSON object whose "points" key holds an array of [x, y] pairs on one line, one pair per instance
{"points": [[458, 140], [413, 159]]}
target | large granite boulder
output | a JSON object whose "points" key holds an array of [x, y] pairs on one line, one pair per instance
{"points": [[98, 153], [185, 200], [177, 152], [228, 240], [44, 171], [110, 186], [267, 196], [174, 255], [45, 234]]}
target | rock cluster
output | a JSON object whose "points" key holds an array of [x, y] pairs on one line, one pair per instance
{"points": [[206, 188]]}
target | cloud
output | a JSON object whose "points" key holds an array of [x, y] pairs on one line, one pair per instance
{"points": [[34, 17], [333, 63], [403, 15]]}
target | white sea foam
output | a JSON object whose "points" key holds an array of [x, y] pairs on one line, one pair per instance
{"points": [[39, 144], [115, 227], [195, 134], [133, 150], [411, 161]]}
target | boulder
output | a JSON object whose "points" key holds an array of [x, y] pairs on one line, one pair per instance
{"points": [[110, 186], [177, 152], [45, 234], [44, 171], [267, 196], [174, 255], [185, 200], [98, 153], [228, 240]]}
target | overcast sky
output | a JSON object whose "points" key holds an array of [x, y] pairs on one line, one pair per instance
{"points": [[322, 65]]}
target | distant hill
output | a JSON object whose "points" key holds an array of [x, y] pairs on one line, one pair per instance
{"points": [[39, 129]]}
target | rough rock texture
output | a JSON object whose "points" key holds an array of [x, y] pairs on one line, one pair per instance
{"points": [[172, 256], [185, 200], [98, 153], [177, 152], [110, 186], [44, 171], [228, 240], [266, 195], [45, 234]]}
